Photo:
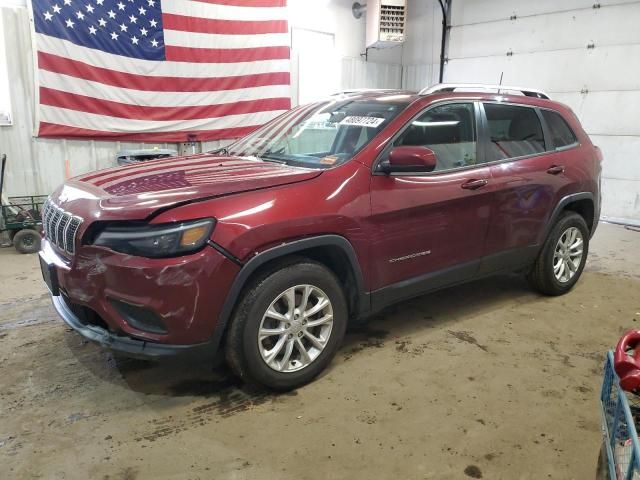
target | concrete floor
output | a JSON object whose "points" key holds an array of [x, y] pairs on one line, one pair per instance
{"points": [[487, 380]]}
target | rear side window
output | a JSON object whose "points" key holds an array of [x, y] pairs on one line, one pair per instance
{"points": [[561, 133], [515, 131]]}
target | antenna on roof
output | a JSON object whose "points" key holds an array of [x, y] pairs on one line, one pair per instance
{"points": [[501, 74]]}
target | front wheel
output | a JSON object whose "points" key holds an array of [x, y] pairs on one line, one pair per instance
{"points": [[563, 256], [288, 326], [27, 241]]}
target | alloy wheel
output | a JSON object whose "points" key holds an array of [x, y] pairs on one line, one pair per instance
{"points": [[567, 255], [295, 328]]}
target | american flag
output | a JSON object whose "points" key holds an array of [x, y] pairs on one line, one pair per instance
{"points": [[169, 71]]}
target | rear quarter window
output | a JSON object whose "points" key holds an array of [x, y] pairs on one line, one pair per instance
{"points": [[561, 133]]}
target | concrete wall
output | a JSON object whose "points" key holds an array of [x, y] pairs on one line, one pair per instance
{"points": [[37, 166], [583, 56]]}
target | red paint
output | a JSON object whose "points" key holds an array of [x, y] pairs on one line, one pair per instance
{"points": [[626, 360], [440, 220], [420, 158]]}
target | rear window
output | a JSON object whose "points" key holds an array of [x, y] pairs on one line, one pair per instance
{"points": [[561, 133], [515, 131]]}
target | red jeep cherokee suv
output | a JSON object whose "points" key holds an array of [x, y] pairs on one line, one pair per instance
{"points": [[266, 249]]}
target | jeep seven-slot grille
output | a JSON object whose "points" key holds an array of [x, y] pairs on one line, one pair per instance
{"points": [[60, 227]]}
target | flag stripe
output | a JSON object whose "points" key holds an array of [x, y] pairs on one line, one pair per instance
{"points": [[229, 27], [172, 70], [52, 130], [231, 42], [222, 12], [224, 55], [56, 64], [56, 98], [98, 90], [92, 121]]}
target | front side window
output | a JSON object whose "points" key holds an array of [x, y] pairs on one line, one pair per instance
{"points": [[561, 133], [514, 131], [449, 130], [319, 135]]}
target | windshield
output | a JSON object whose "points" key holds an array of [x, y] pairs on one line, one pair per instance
{"points": [[320, 135]]}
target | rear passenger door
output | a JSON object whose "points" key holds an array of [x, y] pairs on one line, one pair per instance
{"points": [[527, 178]]}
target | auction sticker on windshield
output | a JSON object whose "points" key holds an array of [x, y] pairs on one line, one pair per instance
{"points": [[372, 122]]}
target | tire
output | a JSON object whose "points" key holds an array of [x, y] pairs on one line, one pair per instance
{"points": [[542, 277], [27, 241], [248, 356]]}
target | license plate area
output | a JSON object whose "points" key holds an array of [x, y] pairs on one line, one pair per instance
{"points": [[50, 276]]}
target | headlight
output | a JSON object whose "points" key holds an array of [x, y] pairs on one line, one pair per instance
{"points": [[163, 240]]}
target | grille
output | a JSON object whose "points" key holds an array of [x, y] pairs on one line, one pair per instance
{"points": [[60, 227]]}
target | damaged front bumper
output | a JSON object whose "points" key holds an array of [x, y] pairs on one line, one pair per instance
{"points": [[128, 346], [140, 307]]}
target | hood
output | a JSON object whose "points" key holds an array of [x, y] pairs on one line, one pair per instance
{"points": [[136, 191]]}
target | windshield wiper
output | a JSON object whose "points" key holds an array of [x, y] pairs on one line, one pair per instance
{"points": [[220, 151], [271, 156], [272, 159]]}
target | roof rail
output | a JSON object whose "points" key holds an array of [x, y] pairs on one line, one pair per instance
{"points": [[358, 91], [450, 87]]}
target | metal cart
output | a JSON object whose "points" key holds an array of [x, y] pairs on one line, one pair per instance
{"points": [[620, 453], [21, 218]]}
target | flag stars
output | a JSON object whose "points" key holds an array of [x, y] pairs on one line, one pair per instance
{"points": [[154, 43], [111, 14], [153, 23], [120, 6], [89, 8], [133, 19], [80, 15], [123, 28], [114, 36], [100, 2], [134, 40], [48, 16], [56, 8], [92, 30], [142, 11], [151, 3], [143, 32], [69, 23], [102, 22], [67, 2]]}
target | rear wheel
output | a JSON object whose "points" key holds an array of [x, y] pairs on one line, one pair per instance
{"points": [[288, 326], [27, 241], [563, 256]]}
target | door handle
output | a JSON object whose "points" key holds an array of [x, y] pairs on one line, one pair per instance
{"points": [[474, 184], [555, 169]]}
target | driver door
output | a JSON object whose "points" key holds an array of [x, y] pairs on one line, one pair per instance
{"points": [[429, 229]]}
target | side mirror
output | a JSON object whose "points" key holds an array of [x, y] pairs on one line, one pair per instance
{"points": [[410, 159]]}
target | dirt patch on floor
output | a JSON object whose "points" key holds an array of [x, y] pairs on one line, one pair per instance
{"points": [[486, 380]]}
